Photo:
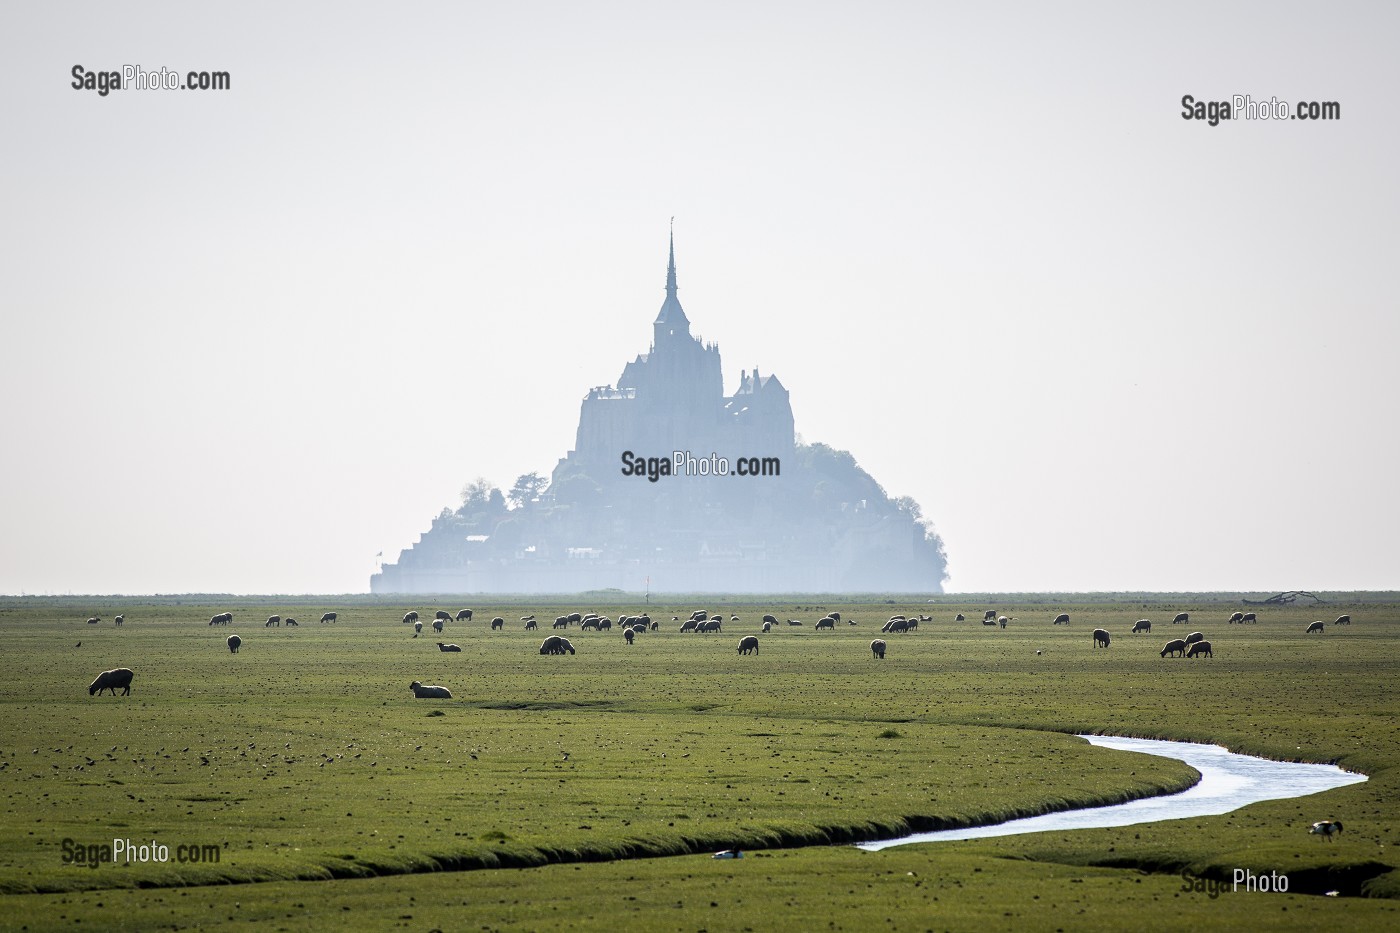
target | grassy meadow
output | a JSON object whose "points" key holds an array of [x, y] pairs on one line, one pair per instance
{"points": [[586, 791]]}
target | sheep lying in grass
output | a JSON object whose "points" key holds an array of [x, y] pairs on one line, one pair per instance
{"points": [[233, 642], [429, 692], [111, 680], [442, 647]]}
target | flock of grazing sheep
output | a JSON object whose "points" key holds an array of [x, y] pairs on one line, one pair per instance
{"points": [[700, 622]]}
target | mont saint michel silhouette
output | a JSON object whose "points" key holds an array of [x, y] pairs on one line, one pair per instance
{"points": [[622, 510]]}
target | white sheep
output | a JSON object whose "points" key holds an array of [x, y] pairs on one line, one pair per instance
{"points": [[429, 692]]}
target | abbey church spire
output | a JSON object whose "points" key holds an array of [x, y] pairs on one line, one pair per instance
{"points": [[671, 321]]}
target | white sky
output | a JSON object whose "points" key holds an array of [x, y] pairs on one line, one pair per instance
{"points": [[253, 338]]}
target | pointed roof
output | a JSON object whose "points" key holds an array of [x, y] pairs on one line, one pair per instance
{"points": [[672, 313]]}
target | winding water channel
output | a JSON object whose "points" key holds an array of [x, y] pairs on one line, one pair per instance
{"points": [[1228, 781]]}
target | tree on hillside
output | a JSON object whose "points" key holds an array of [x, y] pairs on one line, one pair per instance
{"points": [[527, 489]]}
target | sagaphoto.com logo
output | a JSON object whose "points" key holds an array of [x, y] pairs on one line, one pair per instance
{"points": [[134, 77], [1244, 107]]}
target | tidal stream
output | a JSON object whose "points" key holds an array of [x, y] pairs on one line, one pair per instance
{"points": [[1228, 781]]}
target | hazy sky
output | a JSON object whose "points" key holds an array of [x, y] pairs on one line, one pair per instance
{"points": [[253, 338]]}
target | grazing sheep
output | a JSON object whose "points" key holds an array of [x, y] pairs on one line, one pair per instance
{"points": [[223, 618], [1343, 620], [771, 619], [233, 642], [442, 614], [877, 647], [556, 644], [1195, 637], [500, 623], [1181, 617], [417, 628], [1061, 619], [111, 680], [1314, 627], [561, 622], [1248, 617], [429, 692], [410, 616], [748, 643], [589, 625], [1200, 647], [272, 620], [1236, 617], [713, 625], [913, 625], [442, 647], [990, 614], [959, 618], [329, 617], [1142, 625], [689, 625], [1176, 646], [119, 619], [766, 627], [629, 634], [289, 621], [437, 626], [1100, 638], [1002, 621], [828, 624], [464, 615], [529, 626], [1326, 829]]}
